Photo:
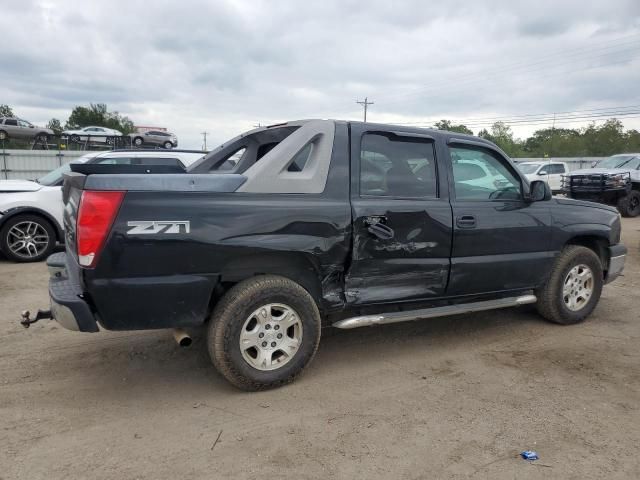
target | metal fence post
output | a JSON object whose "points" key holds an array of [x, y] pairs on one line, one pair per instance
{"points": [[4, 161]]}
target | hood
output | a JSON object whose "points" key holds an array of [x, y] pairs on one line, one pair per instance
{"points": [[584, 203], [7, 186], [593, 171]]}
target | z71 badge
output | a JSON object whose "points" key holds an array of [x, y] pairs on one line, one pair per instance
{"points": [[149, 227]]}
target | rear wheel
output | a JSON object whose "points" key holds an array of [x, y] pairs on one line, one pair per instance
{"points": [[573, 288], [3, 135], [138, 141], [42, 137], [629, 205], [264, 332], [27, 238]]}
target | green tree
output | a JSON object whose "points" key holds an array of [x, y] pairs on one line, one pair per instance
{"points": [[607, 139], [6, 111], [502, 136], [554, 142], [55, 125], [449, 126], [97, 114]]}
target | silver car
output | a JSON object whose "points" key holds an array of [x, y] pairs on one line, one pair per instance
{"points": [[92, 134], [154, 137], [12, 127]]}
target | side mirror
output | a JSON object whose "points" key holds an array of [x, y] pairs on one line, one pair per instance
{"points": [[31, 126], [539, 191]]}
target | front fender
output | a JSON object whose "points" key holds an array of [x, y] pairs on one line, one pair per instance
{"points": [[13, 211]]}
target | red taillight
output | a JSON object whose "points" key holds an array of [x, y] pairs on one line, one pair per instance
{"points": [[95, 217]]}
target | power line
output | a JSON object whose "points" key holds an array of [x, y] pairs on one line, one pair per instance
{"points": [[464, 84], [525, 115], [365, 104], [587, 50]]}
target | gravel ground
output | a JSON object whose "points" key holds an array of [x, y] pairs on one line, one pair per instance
{"points": [[456, 397]]}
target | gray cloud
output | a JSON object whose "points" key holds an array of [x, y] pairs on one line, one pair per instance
{"points": [[222, 66]]}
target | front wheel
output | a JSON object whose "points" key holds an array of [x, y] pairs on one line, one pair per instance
{"points": [[629, 205], [573, 289], [264, 332], [168, 145], [27, 238]]}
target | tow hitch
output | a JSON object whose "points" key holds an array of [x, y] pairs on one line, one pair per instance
{"points": [[25, 321]]}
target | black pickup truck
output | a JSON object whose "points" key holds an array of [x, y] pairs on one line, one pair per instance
{"points": [[291, 228]]}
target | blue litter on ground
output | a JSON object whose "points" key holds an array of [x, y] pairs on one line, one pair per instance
{"points": [[529, 455]]}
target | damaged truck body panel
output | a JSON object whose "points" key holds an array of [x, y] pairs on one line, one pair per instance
{"points": [[353, 223]]}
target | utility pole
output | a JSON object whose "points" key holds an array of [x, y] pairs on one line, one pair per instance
{"points": [[553, 133], [257, 125], [204, 135], [365, 104]]}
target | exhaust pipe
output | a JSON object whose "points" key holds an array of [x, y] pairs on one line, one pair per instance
{"points": [[182, 338]]}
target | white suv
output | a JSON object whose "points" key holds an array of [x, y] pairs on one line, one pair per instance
{"points": [[31, 211]]}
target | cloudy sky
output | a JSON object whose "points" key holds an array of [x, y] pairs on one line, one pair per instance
{"points": [[223, 66]]}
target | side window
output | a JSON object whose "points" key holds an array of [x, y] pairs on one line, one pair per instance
{"points": [[22, 123], [114, 161], [157, 161], [11, 121], [554, 168], [395, 166], [479, 174], [232, 160], [300, 159]]}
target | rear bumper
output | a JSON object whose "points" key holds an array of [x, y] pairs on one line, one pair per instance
{"points": [[68, 307], [617, 257]]}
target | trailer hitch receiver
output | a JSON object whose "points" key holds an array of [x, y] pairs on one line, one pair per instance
{"points": [[26, 321]]}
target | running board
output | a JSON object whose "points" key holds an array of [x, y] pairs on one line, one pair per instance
{"points": [[395, 317]]}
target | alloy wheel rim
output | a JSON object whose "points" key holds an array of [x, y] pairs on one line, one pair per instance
{"points": [[27, 239], [271, 336], [578, 287]]}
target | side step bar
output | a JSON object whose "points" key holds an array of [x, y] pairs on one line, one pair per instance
{"points": [[395, 317]]}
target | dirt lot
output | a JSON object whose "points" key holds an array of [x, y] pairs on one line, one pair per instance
{"points": [[455, 397]]}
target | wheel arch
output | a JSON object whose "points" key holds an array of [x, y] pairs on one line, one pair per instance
{"points": [[295, 266], [598, 243], [13, 212]]}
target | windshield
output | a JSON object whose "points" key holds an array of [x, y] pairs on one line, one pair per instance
{"points": [[54, 177], [617, 161], [528, 168]]}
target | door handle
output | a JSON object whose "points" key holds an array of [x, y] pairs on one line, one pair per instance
{"points": [[376, 226], [466, 221]]}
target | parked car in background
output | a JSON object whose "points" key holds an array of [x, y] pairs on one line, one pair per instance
{"points": [[614, 181], [550, 172], [31, 211], [92, 134], [12, 127], [154, 137]]}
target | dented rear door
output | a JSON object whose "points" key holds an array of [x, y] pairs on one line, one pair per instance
{"points": [[402, 224]]}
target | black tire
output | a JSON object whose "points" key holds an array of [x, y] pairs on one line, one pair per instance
{"points": [[629, 205], [4, 135], [25, 258], [236, 307], [74, 138], [551, 300], [168, 145], [138, 141]]}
